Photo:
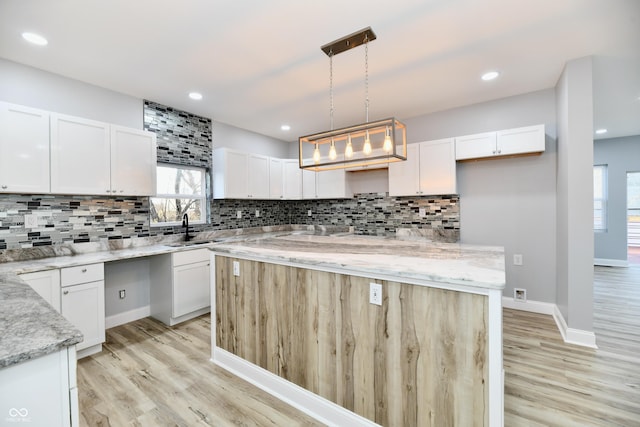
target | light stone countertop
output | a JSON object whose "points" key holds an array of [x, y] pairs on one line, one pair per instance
{"points": [[415, 259], [30, 327]]}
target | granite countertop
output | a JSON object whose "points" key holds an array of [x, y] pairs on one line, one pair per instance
{"points": [[29, 326], [415, 259]]}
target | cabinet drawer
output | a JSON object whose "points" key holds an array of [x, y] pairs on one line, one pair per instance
{"points": [[81, 274], [190, 257]]}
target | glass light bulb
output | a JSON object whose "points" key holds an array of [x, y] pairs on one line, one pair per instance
{"points": [[316, 155], [387, 146], [366, 149], [348, 152], [332, 151]]}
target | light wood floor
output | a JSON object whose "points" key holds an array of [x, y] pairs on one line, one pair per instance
{"points": [[152, 375]]}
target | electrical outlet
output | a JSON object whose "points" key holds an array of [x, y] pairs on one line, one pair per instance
{"points": [[375, 293], [236, 268], [122, 294], [520, 295], [239, 214], [30, 221], [422, 212], [309, 212], [517, 259], [257, 213]]}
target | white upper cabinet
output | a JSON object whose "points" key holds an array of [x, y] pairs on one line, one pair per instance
{"points": [[292, 182], [276, 176], [525, 140], [258, 177], [330, 184], [80, 156], [430, 169], [24, 149], [133, 162]]}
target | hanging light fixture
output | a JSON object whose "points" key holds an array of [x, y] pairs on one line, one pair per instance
{"points": [[374, 143]]}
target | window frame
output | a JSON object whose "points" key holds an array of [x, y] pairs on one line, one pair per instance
{"points": [[602, 200], [203, 196]]}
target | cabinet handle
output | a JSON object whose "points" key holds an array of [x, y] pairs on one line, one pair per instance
{"points": [[84, 270], [65, 292], [4, 187], [499, 151]]}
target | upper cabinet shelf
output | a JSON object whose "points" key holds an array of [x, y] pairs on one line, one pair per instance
{"points": [[43, 152], [510, 142]]}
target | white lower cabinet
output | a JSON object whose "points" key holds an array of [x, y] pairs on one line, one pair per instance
{"points": [[46, 284], [180, 286], [82, 304], [41, 392]]}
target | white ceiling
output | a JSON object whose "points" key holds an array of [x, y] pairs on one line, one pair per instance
{"points": [[258, 63]]}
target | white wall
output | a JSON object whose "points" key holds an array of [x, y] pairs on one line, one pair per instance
{"points": [[21, 84], [574, 276], [225, 135], [621, 155]]}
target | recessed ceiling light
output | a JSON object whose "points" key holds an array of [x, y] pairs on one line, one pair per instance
{"points": [[490, 75], [196, 96], [601, 131], [285, 127], [35, 39]]}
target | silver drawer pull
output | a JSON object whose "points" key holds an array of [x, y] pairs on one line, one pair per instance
{"points": [[65, 292], [84, 270]]}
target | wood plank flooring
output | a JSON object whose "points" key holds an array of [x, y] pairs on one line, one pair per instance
{"points": [[152, 375]]}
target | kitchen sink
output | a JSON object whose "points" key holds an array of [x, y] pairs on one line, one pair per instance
{"points": [[194, 243]]}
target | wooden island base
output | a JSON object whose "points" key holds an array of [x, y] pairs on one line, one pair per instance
{"points": [[419, 359]]}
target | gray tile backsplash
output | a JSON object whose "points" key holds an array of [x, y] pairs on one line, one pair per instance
{"points": [[186, 139]]}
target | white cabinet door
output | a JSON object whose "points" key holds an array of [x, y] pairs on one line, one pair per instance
{"points": [[332, 184], [80, 156], [276, 178], [37, 392], [133, 162], [46, 284], [438, 167], [476, 146], [404, 177], [309, 190], [83, 306], [258, 176], [191, 288], [24, 149], [230, 174], [292, 185], [523, 140]]}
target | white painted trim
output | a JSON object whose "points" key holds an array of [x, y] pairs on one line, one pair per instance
{"points": [[310, 403], [127, 316], [529, 305], [611, 262], [569, 335]]}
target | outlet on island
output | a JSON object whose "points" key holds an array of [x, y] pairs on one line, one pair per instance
{"points": [[375, 293]]}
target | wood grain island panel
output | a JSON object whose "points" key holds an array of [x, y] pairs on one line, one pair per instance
{"points": [[419, 359]]}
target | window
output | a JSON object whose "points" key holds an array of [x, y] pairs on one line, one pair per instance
{"points": [[180, 190], [600, 198]]}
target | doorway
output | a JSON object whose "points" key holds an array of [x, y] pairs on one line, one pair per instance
{"points": [[633, 217]]}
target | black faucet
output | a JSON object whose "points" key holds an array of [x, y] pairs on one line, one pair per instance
{"points": [[185, 224]]}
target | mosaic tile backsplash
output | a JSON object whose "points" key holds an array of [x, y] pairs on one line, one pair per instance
{"points": [[76, 219]]}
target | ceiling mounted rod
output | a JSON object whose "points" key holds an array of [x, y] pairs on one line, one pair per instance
{"points": [[349, 42]]}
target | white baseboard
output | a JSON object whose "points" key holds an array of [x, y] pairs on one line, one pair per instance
{"points": [[611, 262], [569, 335], [310, 403], [127, 316]]}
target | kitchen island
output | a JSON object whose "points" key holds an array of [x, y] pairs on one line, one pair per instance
{"points": [[293, 316]]}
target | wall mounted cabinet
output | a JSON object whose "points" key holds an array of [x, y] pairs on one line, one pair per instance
{"points": [[91, 157], [24, 149], [292, 181], [510, 142], [276, 178], [331, 184], [239, 175], [430, 169]]}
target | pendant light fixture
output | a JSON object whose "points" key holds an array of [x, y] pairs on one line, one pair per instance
{"points": [[374, 143]]}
